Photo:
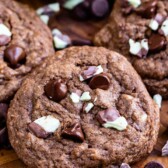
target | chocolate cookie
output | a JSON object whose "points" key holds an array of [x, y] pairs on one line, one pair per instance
{"points": [[139, 30], [87, 108], [24, 42]]}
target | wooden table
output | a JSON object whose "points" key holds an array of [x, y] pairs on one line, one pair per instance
{"points": [[8, 158]]}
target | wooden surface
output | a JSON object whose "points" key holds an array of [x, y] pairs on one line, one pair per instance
{"points": [[8, 158]]}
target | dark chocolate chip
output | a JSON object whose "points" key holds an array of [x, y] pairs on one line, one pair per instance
{"points": [[74, 132], [14, 54], [56, 90], [81, 41], [82, 11], [100, 81], [157, 42], [4, 40], [110, 114], [153, 164], [147, 9], [3, 114], [38, 131], [100, 8], [4, 142]]}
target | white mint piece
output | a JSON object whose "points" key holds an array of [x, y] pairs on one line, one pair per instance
{"points": [[144, 44], [124, 165], [135, 47], [75, 98], [165, 150], [144, 117], [99, 70], [55, 7], [135, 3], [89, 107], [44, 18], [158, 99], [4, 30], [56, 32], [85, 96], [60, 44], [70, 4], [154, 25], [164, 27], [48, 123], [81, 78], [119, 124], [39, 11]]}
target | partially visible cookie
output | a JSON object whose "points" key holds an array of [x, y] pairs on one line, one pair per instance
{"points": [[139, 30], [24, 43], [83, 107]]}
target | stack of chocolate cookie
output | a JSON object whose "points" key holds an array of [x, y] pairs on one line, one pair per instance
{"points": [[83, 106]]}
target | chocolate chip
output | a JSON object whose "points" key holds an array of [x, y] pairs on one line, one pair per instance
{"points": [[4, 40], [14, 54], [157, 42], [147, 9], [82, 10], [110, 114], [4, 142], [74, 132], [100, 81], [3, 114], [81, 41], [99, 8], [153, 164], [56, 90], [38, 131]]}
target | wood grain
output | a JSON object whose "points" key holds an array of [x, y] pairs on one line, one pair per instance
{"points": [[8, 158]]}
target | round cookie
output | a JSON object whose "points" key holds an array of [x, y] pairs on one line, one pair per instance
{"points": [[83, 107], [24, 42], [141, 34]]}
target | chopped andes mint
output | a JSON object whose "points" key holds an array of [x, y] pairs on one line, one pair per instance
{"points": [[139, 49], [99, 8], [125, 165], [75, 97], [90, 72], [60, 40], [165, 149], [156, 22], [14, 54], [38, 131], [5, 35], [45, 18], [4, 30], [135, 3], [71, 4], [87, 107], [74, 132], [147, 9], [49, 9], [158, 99], [100, 81], [119, 124], [4, 40], [157, 42], [85, 96], [56, 90], [153, 164], [48, 123], [107, 115], [164, 28]]}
